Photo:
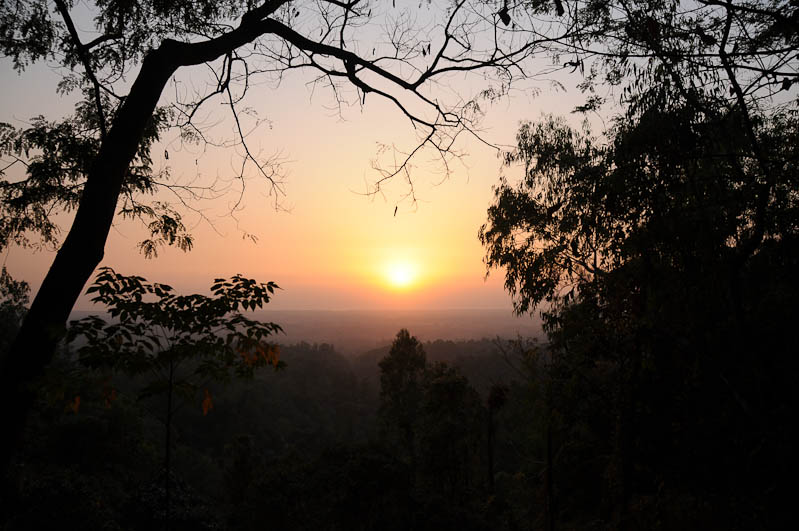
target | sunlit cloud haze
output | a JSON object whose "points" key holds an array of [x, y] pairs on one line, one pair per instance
{"points": [[325, 238]]}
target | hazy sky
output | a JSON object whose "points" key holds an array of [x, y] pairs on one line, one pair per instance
{"points": [[329, 246]]}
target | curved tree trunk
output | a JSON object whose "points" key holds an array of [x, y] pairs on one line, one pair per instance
{"points": [[80, 253], [83, 247]]}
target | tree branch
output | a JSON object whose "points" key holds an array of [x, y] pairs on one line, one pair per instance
{"points": [[83, 54]]}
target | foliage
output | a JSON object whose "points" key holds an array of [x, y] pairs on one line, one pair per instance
{"points": [[55, 158], [79, 466], [740, 54], [49, 161], [320, 401], [436, 423], [144, 508], [452, 422], [99, 161], [401, 379], [561, 172], [13, 301], [156, 330], [659, 254], [295, 449], [359, 487]]}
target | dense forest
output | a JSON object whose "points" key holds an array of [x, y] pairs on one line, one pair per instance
{"points": [[410, 436], [655, 232]]}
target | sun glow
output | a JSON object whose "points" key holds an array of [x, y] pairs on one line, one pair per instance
{"points": [[400, 275]]}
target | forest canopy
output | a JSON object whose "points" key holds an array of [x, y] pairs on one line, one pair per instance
{"points": [[661, 252]]}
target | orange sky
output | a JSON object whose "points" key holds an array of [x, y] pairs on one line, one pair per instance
{"points": [[333, 248]]}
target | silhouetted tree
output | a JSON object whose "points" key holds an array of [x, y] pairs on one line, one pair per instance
{"points": [[653, 252], [13, 302], [102, 154], [657, 260], [450, 437], [401, 381], [184, 342], [497, 397]]}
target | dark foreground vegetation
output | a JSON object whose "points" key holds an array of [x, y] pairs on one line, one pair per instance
{"points": [[411, 437], [661, 251], [484, 434]]}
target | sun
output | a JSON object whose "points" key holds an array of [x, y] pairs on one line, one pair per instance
{"points": [[400, 275]]}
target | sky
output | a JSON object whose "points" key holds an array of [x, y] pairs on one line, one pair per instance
{"points": [[327, 244]]}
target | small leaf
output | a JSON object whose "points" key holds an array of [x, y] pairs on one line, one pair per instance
{"points": [[74, 406], [208, 404], [504, 16], [109, 395]]}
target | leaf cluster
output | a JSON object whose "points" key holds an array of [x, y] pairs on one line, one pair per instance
{"points": [[32, 30], [155, 331], [401, 380], [434, 417], [543, 230], [49, 164], [661, 255], [13, 306], [670, 187]]}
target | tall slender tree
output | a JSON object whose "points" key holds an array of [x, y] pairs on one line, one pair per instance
{"points": [[401, 392]]}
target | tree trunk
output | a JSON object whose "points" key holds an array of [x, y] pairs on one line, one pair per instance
{"points": [[549, 478], [490, 450], [80, 253], [168, 447], [83, 247]]}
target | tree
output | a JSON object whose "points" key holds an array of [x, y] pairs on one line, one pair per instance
{"points": [[101, 155], [401, 390], [660, 254], [639, 250], [184, 341], [13, 299], [497, 397], [450, 435]]}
